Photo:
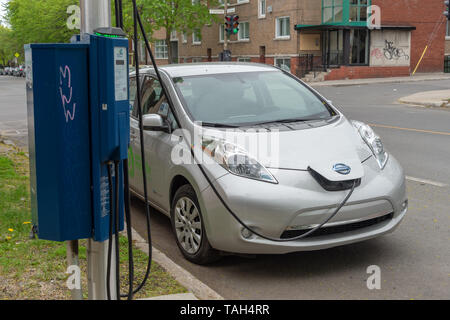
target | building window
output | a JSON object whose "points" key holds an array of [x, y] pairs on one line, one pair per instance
{"points": [[261, 8], [161, 51], [184, 37], [359, 46], [358, 10], [196, 37], [173, 35], [196, 60], [244, 59], [448, 30], [244, 33], [282, 28], [332, 11], [243, 1], [221, 33], [283, 63]]}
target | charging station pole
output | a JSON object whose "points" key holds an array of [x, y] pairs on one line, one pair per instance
{"points": [[97, 14]]}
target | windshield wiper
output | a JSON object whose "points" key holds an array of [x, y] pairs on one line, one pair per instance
{"points": [[289, 120], [218, 125]]}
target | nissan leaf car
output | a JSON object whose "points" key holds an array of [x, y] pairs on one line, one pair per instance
{"points": [[247, 159]]}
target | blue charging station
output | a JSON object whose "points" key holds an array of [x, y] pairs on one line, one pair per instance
{"points": [[78, 122]]}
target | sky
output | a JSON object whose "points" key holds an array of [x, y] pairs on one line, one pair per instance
{"points": [[1, 8]]}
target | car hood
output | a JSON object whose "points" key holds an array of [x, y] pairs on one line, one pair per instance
{"points": [[318, 148]]}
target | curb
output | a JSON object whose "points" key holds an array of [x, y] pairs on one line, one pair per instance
{"points": [[184, 277], [441, 104], [343, 83]]}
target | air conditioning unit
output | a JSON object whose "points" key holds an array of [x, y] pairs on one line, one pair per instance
{"points": [[269, 9]]}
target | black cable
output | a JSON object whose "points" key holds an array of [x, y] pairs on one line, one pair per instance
{"points": [[116, 13], [129, 233], [116, 225], [120, 14], [267, 237], [141, 135], [108, 267], [152, 58]]}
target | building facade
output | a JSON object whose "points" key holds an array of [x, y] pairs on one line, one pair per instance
{"points": [[327, 36], [447, 39]]}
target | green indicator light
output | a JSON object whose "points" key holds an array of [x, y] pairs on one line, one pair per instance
{"points": [[107, 35]]}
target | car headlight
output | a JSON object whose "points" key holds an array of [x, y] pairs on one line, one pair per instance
{"points": [[373, 141], [236, 160]]}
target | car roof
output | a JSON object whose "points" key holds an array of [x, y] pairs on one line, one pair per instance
{"points": [[195, 69]]}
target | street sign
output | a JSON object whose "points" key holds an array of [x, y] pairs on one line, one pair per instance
{"points": [[222, 11], [17, 55]]}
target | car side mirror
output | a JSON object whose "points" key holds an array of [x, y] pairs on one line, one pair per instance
{"points": [[154, 122]]}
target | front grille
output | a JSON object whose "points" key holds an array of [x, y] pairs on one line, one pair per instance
{"points": [[325, 231], [333, 185]]}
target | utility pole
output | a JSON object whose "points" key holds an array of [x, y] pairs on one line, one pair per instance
{"points": [[97, 14], [225, 35]]}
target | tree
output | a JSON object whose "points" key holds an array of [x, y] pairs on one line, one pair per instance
{"points": [[39, 21], [181, 16], [172, 15], [7, 45]]}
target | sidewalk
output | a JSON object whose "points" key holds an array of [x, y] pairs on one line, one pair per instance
{"points": [[436, 99], [352, 82]]}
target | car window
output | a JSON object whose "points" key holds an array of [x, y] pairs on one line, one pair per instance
{"points": [[133, 90], [154, 101], [249, 98], [152, 96]]}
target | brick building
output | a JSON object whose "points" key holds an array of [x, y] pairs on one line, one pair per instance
{"points": [[447, 39], [330, 37]]}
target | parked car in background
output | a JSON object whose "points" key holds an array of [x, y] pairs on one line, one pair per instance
{"points": [[2, 71], [7, 71], [16, 72], [20, 71]]}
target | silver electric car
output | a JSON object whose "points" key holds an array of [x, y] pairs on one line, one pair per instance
{"points": [[246, 158]]}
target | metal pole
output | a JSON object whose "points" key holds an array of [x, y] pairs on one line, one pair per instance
{"points": [[225, 37], [97, 255], [96, 14]]}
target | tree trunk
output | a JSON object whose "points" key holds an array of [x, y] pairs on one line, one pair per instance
{"points": [[169, 48]]}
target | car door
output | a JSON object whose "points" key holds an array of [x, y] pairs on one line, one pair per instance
{"points": [[133, 164], [157, 144]]}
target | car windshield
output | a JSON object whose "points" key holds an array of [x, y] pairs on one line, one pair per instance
{"points": [[249, 98]]}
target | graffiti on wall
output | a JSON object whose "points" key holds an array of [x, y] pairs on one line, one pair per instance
{"points": [[392, 52], [390, 48]]}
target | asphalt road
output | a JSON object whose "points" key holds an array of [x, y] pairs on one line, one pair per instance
{"points": [[414, 260], [13, 110]]}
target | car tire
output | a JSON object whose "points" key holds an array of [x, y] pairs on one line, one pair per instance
{"points": [[188, 227]]}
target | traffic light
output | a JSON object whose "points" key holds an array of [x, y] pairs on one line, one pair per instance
{"points": [[447, 9], [232, 24], [235, 24], [228, 24]]}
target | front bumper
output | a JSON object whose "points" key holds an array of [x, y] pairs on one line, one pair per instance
{"points": [[297, 202]]}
